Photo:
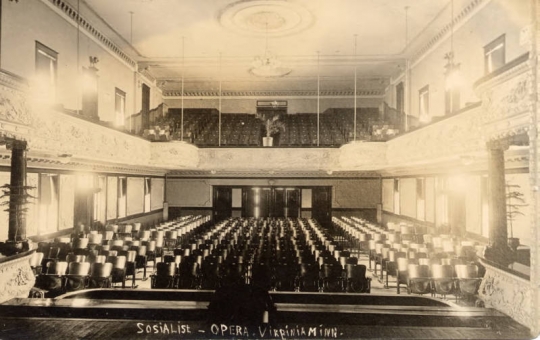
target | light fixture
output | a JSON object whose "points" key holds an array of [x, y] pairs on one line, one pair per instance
{"points": [[93, 61], [452, 69], [268, 65]]}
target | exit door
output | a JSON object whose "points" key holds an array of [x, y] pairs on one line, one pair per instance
{"points": [[322, 205], [222, 207]]}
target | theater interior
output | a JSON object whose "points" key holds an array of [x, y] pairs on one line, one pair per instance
{"points": [[269, 169]]}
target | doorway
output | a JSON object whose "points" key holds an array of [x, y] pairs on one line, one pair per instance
{"points": [[222, 207]]}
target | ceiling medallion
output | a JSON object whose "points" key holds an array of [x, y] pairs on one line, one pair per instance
{"points": [[274, 18]]}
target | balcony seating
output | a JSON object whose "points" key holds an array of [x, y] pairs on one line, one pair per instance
{"points": [[336, 128]]}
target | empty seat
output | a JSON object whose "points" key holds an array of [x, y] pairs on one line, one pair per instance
{"points": [[77, 277], [100, 275], [356, 280], [443, 279], [165, 274], [419, 279], [35, 262], [468, 280], [118, 272]]}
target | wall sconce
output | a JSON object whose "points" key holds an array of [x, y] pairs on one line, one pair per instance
{"points": [[93, 61]]}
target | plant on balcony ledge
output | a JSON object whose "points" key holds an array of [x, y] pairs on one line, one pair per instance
{"points": [[17, 203], [272, 126], [514, 202]]}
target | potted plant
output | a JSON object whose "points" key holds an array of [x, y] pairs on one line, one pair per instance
{"points": [[272, 126], [17, 207], [514, 202]]}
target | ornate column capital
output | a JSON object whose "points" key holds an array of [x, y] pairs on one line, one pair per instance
{"points": [[498, 144]]}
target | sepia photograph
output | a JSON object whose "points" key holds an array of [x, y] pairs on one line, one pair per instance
{"points": [[269, 169]]}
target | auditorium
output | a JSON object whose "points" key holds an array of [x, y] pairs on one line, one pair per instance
{"points": [[269, 169]]}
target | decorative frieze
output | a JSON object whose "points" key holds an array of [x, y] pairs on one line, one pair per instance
{"points": [[509, 294], [449, 138], [16, 277], [59, 133], [269, 159], [361, 155], [174, 155]]}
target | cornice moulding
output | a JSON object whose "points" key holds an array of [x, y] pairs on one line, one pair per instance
{"points": [[174, 94], [460, 19], [71, 15]]}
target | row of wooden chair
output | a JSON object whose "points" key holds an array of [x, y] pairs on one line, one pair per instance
{"points": [[402, 257], [61, 277]]}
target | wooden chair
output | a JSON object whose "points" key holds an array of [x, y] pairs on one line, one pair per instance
{"points": [[118, 273], [51, 280], [468, 281], [77, 276], [35, 262], [356, 280], [308, 277], [443, 279], [100, 275], [419, 280]]}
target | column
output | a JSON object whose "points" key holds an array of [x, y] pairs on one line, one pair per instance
{"points": [[498, 251], [17, 218]]}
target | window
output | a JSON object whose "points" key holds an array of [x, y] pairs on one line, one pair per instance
{"points": [[46, 66], [100, 200], [423, 95], [119, 107], [48, 203], [122, 196], [396, 196], [147, 194], [441, 202], [420, 199], [494, 54]]}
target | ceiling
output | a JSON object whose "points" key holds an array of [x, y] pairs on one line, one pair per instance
{"points": [[211, 40]]}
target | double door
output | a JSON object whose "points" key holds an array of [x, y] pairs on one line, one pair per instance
{"points": [[270, 202]]}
